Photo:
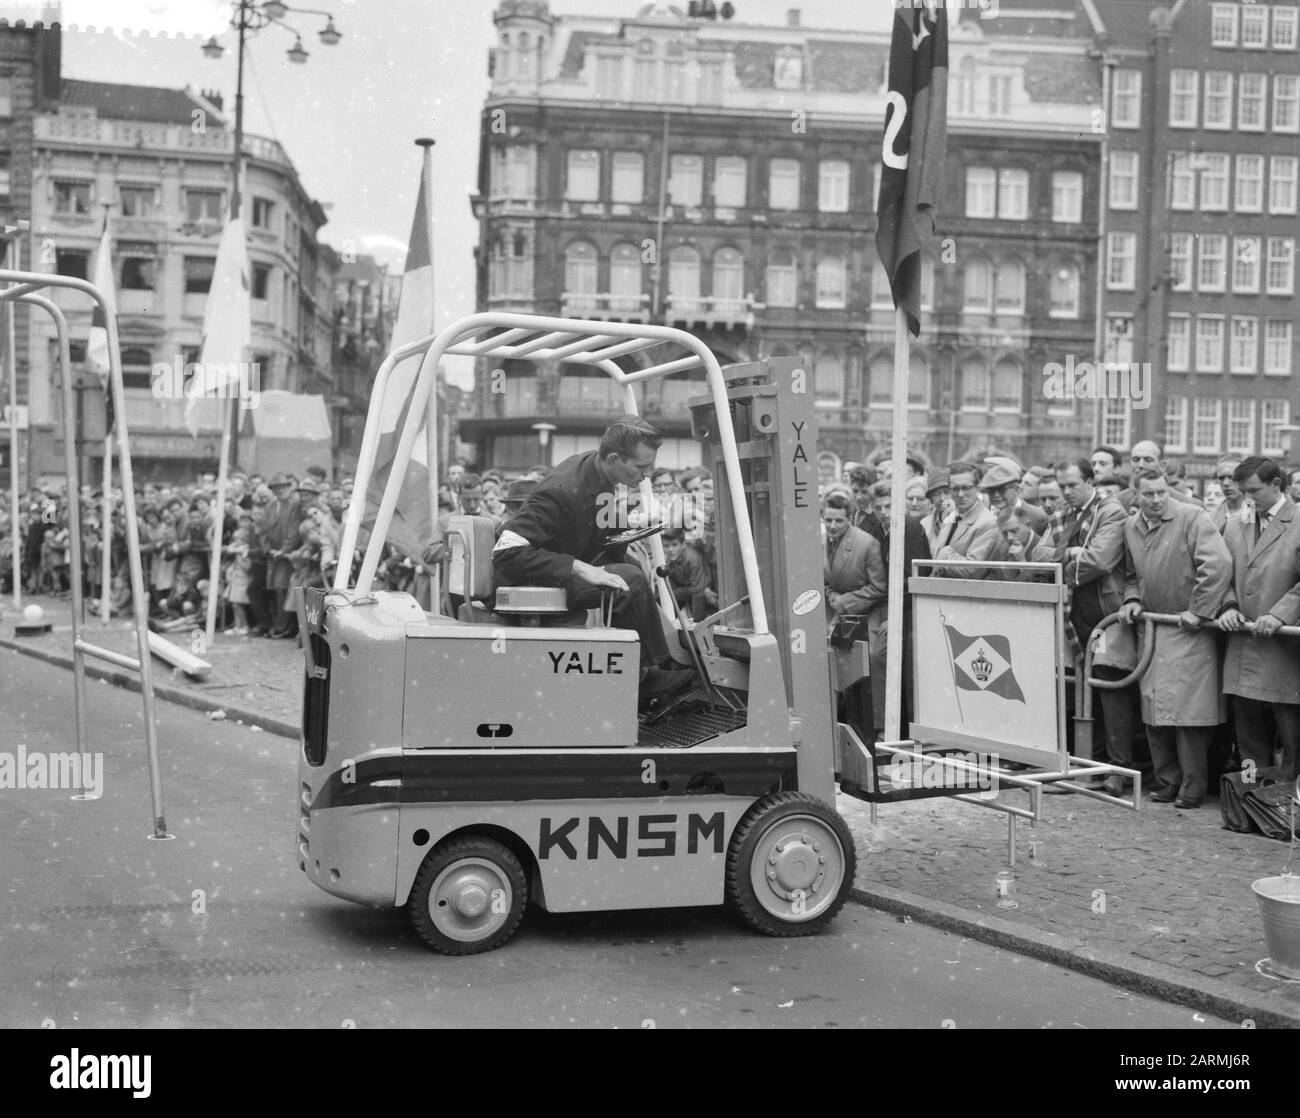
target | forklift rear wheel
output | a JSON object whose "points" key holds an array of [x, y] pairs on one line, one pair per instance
{"points": [[469, 896], [790, 865]]}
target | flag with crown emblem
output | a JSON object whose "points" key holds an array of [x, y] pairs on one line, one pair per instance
{"points": [[983, 663]]}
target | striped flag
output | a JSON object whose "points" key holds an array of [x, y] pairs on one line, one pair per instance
{"points": [[227, 329], [915, 142], [97, 344], [410, 530]]}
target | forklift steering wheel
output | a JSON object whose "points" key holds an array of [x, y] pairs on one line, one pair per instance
{"points": [[634, 534]]}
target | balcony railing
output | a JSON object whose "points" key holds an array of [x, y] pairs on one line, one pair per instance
{"points": [[147, 136], [712, 312], [606, 308]]}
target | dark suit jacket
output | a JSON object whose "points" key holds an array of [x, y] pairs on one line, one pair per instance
{"points": [[690, 582], [568, 516], [857, 574]]}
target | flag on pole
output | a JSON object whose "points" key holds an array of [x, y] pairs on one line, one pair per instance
{"points": [[410, 530], [97, 343], [227, 330], [983, 663], [915, 142]]}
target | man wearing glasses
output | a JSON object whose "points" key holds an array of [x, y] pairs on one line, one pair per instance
{"points": [[559, 539], [971, 531]]}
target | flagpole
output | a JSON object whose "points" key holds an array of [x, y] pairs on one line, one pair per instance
{"points": [[897, 526], [11, 369], [431, 416], [106, 533]]}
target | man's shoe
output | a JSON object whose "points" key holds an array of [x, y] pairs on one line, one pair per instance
{"points": [[1184, 802], [1116, 785], [1163, 795], [657, 683]]}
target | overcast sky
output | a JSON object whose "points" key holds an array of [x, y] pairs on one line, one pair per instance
{"points": [[348, 117]]}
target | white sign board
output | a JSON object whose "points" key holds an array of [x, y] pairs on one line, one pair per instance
{"points": [[988, 668]]}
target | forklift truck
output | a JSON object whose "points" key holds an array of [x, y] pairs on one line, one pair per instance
{"points": [[462, 766]]}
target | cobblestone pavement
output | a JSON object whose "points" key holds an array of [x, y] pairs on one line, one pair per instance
{"points": [[1159, 898]]}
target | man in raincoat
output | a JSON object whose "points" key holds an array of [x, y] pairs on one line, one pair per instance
{"points": [[1176, 562]]}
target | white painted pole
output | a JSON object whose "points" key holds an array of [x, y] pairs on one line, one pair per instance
{"points": [[228, 408], [897, 525], [106, 533], [11, 368], [431, 418]]}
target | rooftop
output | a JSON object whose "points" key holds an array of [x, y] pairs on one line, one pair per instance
{"points": [[116, 101]]}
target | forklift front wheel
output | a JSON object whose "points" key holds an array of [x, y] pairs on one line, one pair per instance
{"points": [[468, 896], [790, 865]]}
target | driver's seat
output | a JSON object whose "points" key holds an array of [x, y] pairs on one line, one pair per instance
{"points": [[470, 575]]}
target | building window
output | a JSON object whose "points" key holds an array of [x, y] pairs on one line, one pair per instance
{"points": [[686, 181], [783, 184], [977, 287], [974, 385], [1119, 341], [628, 180], [1284, 26], [677, 89], [1241, 427], [1065, 292], [6, 96], [1010, 287], [261, 281], [710, 83], [684, 273], [263, 209], [583, 183], [1274, 415], [71, 197], [1179, 335], [730, 179], [1245, 265], [514, 174], [918, 381], [1126, 99], [139, 264], [198, 274], [625, 279], [609, 77], [1254, 26], [966, 87], [981, 192], [1182, 182], [927, 284], [1205, 425], [203, 207], [1176, 425], [1209, 343], [1250, 102], [782, 278], [1277, 347], [1223, 25], [828, 380], [1214, 182], [1250, 184], [137, 201], [1280, 276], [832, 282], [645, 74], [728, 275], [1123, 181], [1121, 261], [1116, 422], [1282, 184], [882, 298], [1286, 103], [1067, 196], [1218, 100], [1243, 353], [1183, 95], [1180, 261], [1013, 194], [1007, 386], [580, 283], [1211, 273], [833, 187], [72, 262]]}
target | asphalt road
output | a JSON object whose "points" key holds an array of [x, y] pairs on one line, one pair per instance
{"points": [[101, 927]]}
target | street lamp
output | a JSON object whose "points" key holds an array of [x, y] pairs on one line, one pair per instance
{"points": [[250, 18]]}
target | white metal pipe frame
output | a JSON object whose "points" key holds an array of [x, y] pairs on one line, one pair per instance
{"points": [[537, 339], [23, 289]]}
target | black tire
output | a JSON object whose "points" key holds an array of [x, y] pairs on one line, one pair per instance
{"points": [[468, 896], [793, 894]]}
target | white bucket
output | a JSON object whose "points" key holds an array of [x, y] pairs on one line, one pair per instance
{"points": [[1279, 905]]}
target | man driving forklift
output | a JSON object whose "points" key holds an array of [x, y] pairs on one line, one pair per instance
{"points": [[562, 538]]}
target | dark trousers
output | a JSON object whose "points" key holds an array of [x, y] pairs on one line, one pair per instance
{"points": [[1259, 725], [633, 609], [1121, 715], [1179, 754]]}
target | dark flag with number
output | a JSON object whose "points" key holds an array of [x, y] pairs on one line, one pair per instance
{"points": [[912, 153]]}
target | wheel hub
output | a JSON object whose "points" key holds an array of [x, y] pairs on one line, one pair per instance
{"points": [[797, 868], [470, 900], [796, 863]]}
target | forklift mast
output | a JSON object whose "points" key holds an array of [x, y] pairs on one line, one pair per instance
{"points": [[776, 437]]}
